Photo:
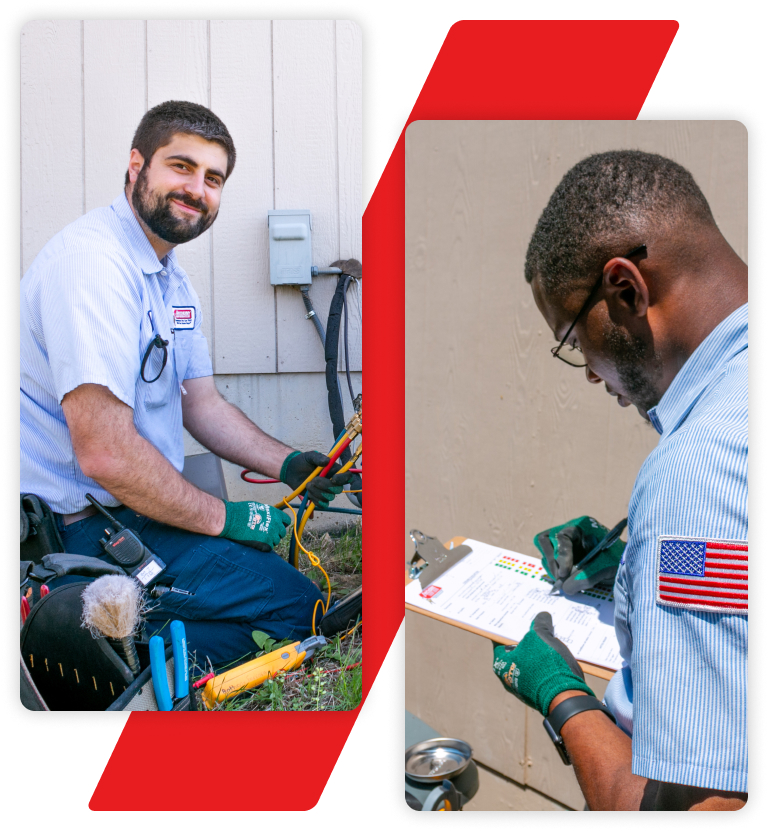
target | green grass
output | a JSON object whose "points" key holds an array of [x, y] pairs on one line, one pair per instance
{"points": [[341, 556], [331, 680]]}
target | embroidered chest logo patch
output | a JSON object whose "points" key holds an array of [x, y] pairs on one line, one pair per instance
{"points": [[702, 574], [183, 317]]}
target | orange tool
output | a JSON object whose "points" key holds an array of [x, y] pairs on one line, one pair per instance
{"points": [[256, 672]]}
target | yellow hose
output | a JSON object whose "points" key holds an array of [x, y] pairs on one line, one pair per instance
{"points": [[315, 560]]}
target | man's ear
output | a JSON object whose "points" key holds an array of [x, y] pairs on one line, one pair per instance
{"points": [[135, 164], [625, 287]]}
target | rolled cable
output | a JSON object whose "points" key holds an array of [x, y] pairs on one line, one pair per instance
{"points": [[345, 308], [346, 339], [313, 316]]}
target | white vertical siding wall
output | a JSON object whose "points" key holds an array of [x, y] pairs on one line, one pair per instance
{"points": [[290, 93]]}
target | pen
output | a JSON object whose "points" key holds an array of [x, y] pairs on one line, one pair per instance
{"points": [[606, 542]]}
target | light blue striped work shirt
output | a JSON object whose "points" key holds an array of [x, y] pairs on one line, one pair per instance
{"points": [[91, 302], [682, 695]]}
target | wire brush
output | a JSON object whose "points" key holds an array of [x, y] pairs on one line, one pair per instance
{"points": [[112, 608]]}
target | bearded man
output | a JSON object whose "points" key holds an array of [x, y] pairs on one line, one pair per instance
{"points": [[641, 289], [114, 365]]}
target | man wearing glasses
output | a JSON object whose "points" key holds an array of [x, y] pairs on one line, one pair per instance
{"points": [[114, 363], [644, 293]]}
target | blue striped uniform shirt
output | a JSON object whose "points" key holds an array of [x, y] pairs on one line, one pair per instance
{"points": [[682, 694], [91, 303]]}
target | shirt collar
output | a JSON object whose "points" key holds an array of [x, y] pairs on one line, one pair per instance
{"points": [[143, 253], [706, 363]]}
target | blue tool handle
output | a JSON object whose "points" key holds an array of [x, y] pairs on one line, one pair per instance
{"points": [[159, 676], [180, 662]]}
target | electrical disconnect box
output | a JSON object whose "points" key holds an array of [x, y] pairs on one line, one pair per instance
{"points": [[290, 248]]}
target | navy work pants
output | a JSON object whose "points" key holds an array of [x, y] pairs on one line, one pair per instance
{"points": [[232, 589]]}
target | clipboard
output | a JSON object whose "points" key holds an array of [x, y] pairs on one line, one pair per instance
{"points": [[588, 668]]}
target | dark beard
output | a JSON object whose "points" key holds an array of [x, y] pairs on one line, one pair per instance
{"points": [[155, 211], [638, 368]]}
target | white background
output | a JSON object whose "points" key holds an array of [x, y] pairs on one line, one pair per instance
{"points": [[716, 68]]}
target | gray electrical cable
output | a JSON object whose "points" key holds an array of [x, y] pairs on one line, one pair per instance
{"points": [[311, 314]]}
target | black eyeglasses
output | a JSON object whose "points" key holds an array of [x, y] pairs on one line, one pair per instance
{"points": [[156, 343], [577, 359]]}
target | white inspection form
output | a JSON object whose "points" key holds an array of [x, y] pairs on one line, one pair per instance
{"points": [[501, 592]]}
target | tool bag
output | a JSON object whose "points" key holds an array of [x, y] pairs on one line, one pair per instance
{"points": [[39, 534], [342, 614], [63, 666]]}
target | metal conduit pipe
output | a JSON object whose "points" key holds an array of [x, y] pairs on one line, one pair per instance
{"points": [[311, 314]]}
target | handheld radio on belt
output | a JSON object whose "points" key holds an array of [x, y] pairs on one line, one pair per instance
{"points": [[127, 548]]}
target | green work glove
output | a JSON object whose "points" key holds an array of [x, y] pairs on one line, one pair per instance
{"points": [[320, 490], [539, 667], [564, 546], [256, 525]]}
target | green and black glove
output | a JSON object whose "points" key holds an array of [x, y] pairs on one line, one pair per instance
{"points": [[564, 546], [256, 525], [321, 490], [539, 667]]}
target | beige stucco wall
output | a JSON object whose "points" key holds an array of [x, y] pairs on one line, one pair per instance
{"points": [[502, 440]]}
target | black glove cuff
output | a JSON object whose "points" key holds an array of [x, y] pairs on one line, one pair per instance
{"points": [[554, 722], [284, 467]]}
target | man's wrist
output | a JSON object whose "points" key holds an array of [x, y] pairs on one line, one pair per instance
{"points": [[219, 519], [560, 697], [284, 467], [590, 713]]}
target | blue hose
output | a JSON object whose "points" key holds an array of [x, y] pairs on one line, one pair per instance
{"points": [[334, 510]]}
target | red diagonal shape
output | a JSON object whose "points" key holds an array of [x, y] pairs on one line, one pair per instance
{"points": [[485, 70]]}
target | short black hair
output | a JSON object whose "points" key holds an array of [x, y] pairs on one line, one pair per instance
{"points": [[604, 206], [160, 124]]}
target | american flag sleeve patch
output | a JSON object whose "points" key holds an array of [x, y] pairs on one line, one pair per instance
{"points": [[703, 575]]}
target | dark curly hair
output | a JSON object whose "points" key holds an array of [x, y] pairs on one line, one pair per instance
{"points": [[160, 124], [604, 206]]}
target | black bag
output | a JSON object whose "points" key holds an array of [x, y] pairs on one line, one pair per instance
{"points": [[342, 614], [63, 667], [70, 668], [39, 534]]}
